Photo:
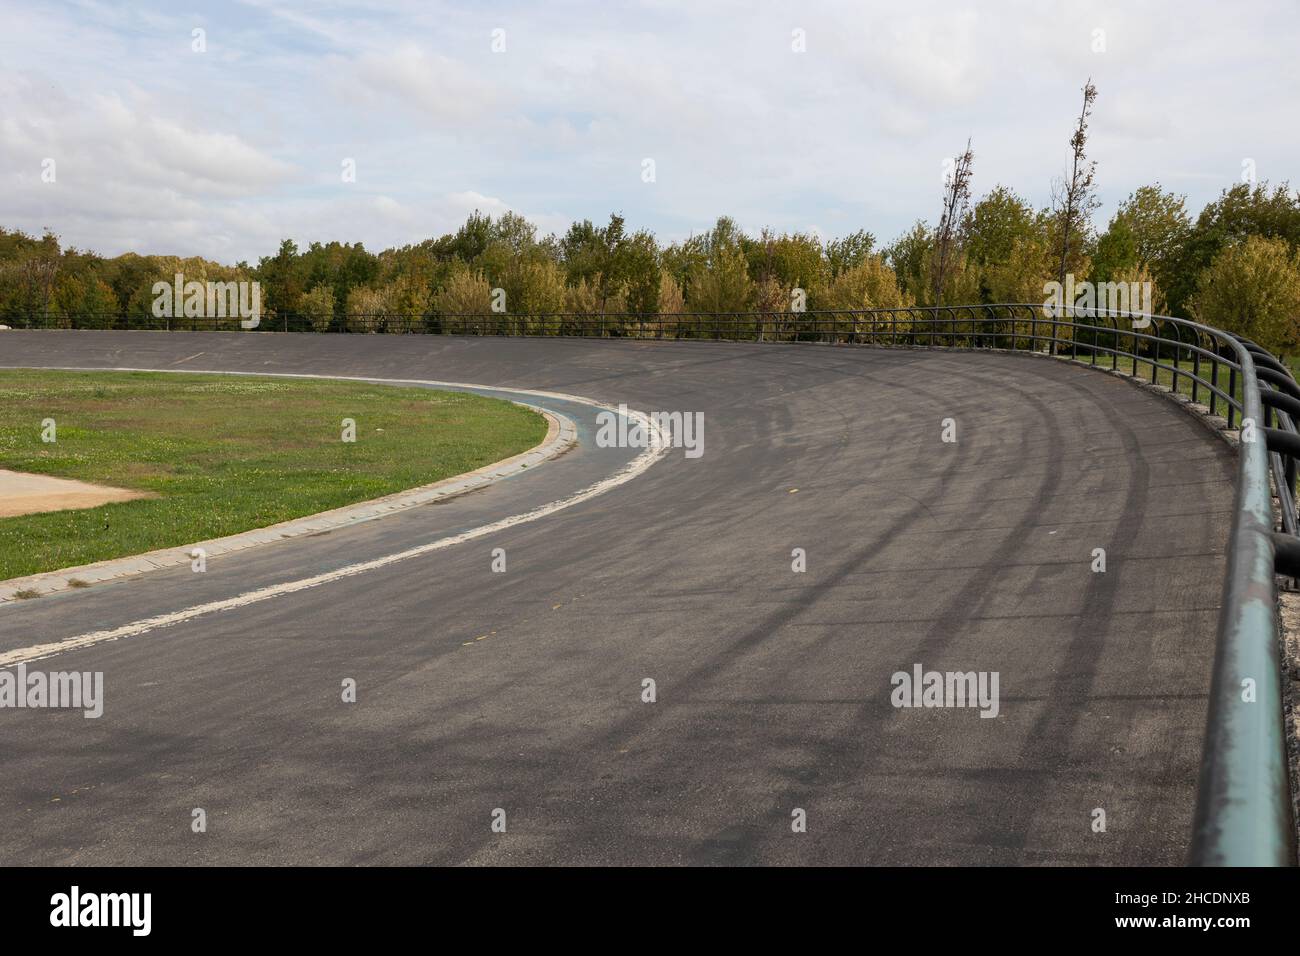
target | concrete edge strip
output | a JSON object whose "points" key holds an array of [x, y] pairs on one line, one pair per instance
{"points": [[561, 435]]}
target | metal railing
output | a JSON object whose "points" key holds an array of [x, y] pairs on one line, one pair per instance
{"points": [[1243, 811]]}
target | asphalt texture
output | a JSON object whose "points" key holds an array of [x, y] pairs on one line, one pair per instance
{"points": [[523, 691]]}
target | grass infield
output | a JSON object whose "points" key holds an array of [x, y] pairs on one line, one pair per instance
{"points": [[221, 454]]}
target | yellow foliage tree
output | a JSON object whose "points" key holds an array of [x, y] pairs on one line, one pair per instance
{"points": [[1253, 288]]}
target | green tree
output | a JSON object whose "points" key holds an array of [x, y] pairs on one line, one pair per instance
{"points": [[1241, 211], [845, 253], [781, 264], [283, 278], [638, 268], [908, 256], [581, 252], [130, 276], [471, 239], [1147, 233], [996, 222], [1116, 250], [622, 270], [681, 259], [344, 266], [720, 281], [536, 288], [85, 299], [1160, 226]]}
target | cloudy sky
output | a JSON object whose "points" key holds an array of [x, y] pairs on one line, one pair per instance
{"points": [[223, 152]]}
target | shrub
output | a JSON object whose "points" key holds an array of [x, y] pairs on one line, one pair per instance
{"points": [[318, 307]]}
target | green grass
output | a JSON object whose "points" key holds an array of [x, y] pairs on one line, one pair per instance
{"points": [[223, 454]]}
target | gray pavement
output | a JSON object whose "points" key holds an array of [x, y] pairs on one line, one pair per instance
{"points": [[773, 688]]}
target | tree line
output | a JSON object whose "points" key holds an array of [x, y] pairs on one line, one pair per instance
{"points": [[1236, 265]]}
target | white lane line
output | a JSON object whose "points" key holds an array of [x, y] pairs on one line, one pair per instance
{"points": [[659, 443]]}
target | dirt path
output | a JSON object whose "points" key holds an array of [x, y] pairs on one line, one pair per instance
{"points": [[24, 494]]}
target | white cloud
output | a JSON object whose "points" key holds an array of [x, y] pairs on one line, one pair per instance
{"points": [[227, 152], [436, 87]]}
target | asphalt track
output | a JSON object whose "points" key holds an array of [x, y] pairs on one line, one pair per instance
{"points": [[773, 688]]}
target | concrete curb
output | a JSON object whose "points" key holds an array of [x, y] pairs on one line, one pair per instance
{"points": [[561, 435]]}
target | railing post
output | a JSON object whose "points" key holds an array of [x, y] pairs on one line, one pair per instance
{"points": [[1196, 367], [1155, 364], [1214, 379], [1232, 393]]}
